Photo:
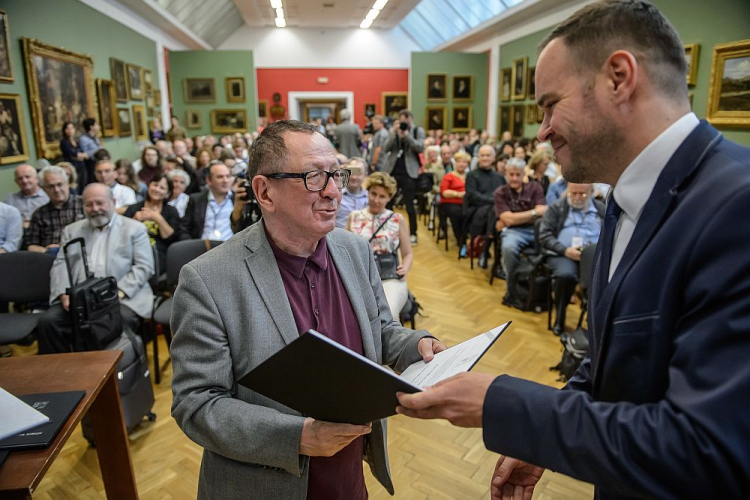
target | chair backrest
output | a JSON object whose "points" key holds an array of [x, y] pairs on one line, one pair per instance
{"points": [[180, 253], [586, 267], [25, 276]]}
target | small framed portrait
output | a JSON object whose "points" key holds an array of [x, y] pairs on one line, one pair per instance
{"points": [[505, 124], [150, 110], [461, 119], [517, 123], [119, 77], [539, 114], [193, 118], [393, 102], [436, 118], [692, 53], [139, 122], [530, 82], [105, 91], [506, 79], [463, 88], [135, 82], [262, 108], [157, 98], [6, 68], [729, 93], [199, 90], [148, 81], [370, 110], [228, 121], [13, 146], [520, 67], [531, 113], [235, 88], [437, 87], [124, 127]]}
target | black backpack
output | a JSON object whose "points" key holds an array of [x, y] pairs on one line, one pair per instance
{"points": [[530, 286], [575, 348]]}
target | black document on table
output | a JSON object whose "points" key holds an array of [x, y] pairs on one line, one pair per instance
{"points": [[324, 380], [57, 406]]}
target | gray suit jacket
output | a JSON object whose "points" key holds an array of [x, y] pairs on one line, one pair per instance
{"points": [[348, 136], [412, 147], [130, 260], [231, 313]]}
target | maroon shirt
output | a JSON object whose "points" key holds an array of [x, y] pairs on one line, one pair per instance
{"points": [[319, 301], [510, 200]]}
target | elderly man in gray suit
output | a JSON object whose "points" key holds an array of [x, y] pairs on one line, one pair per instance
{"points": [[116, 246], [348, 135], [245, 300]]}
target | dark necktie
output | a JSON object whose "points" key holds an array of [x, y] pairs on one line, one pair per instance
{"points": [[607, 240]]}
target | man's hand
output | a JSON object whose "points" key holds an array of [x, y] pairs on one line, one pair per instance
{"points": [[428, 347], [325, 439], [514, 479], [458, 399], [541, 209], [573, 254], [65, 301]]}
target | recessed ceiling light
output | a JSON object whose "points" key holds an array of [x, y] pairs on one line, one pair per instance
{"points": [[366, 24], [279, 12], [372, 14], [379, 4], [275, 4], [280, 22]]}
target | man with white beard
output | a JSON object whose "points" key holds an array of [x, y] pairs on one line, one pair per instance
{"points": [[116, 246], [569, 225]]}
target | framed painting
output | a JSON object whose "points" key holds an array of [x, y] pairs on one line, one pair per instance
{"points": [[262, 108], [150, 110], [437, 118], [506, 77], [729, 93], [437, 85], [393, 102], [530, 84], [60, 88], [120, 79], [13, 144], [148, 81], [105, 91], [517, 123], [370, 110], [461, 119], [540, 114], [199, 90], [692, 53], [463, 87], [520, 66], [235, 88], [135, 82], [6, 66], [139, 122], [157, 98], [531, 113], [228, 121], [193, 118], [505, 125], [124, 127]]}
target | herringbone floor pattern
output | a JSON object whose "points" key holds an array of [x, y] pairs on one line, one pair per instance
{"points": [[429, 459]]}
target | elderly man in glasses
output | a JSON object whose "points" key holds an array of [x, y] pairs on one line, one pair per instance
{"points": [[242, 302]]}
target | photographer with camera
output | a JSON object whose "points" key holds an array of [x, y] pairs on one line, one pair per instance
{"points": [[246, 210], [405, 143]]}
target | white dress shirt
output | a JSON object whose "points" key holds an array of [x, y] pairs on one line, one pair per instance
{"points": [[99, 250], [636, 183], [123, 195]]}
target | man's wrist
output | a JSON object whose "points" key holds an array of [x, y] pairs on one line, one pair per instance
{"points": [[533, 213]]}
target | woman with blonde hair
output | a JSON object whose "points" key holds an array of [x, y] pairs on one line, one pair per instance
{"points": [[385, 230], [536, 168]]}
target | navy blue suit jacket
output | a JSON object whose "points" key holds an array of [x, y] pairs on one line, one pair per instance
{"points": [[661, 407]]}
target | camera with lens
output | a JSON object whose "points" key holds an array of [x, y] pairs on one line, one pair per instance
{"points": [[403, 126]]}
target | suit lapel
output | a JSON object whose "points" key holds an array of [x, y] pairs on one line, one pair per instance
{"points": [[265, 272], [681, 167]]}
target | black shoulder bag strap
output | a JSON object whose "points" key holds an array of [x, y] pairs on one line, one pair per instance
{"points": [[381, 227]]}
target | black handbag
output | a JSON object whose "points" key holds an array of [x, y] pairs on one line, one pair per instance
{"points": [[387, 263]]}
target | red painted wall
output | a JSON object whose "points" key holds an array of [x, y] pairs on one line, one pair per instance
{"points": [[367, 85]]}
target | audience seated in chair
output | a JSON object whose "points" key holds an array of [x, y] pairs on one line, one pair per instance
{"points": [[452, 192], [517, 205], [11, 228], [208, 213], [48, 221], [354, 197], [569, 225], [481, 185], [116, 246], [106, 173], [30, 195]]}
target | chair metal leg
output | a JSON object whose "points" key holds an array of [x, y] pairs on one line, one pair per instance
{"points": [[155, 337]]}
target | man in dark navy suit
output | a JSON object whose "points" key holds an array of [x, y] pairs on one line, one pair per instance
{"points": [[661, 407]]}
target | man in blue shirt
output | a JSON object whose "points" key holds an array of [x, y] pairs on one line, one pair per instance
{"points": [[11, 228], [89, 143], [354, 197], [569, 224]]}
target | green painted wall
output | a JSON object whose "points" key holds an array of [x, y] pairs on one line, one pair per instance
{"points": [[451, 64], [704, 23], [217, 64], [72, 25]]}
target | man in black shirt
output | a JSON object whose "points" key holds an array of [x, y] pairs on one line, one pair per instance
{"points": [[479, 199]]}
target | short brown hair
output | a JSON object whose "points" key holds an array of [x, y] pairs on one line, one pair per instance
{"points": [[383, 180], [600, 28], [269, 152]]}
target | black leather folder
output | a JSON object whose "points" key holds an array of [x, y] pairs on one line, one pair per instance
{"points": [[57, 406]]}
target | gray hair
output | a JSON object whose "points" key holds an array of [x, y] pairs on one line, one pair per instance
{"points": [[515, 163], [179, 173], [54, 170], [345, 114]]}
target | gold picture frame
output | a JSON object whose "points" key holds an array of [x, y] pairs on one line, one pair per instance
{"points": [[235, 87], [6, 61], [105, 92], [135, 82], [13, 148], [228, 121], [517, 123], [148, 82], [437, 87], [124, 125], [120, 78], [530, 83], [729, 93], [692, 54], [506, 84], [157, 98], [518, 80], [531, 113], [199, 90], [393, 103], [370, 110], [193, 118], [140, 127], [504, 124], [49, 67], [262, 108], [463, 88], [461, 118], [437, 118]]}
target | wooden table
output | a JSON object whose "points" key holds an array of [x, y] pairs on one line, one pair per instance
{"points": [[93, 372]]}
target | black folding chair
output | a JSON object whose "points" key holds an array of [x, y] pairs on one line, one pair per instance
{"points": [[585, 277]]}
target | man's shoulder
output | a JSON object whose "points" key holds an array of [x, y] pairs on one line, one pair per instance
{"points": [[9, 210], [346, 238], [130, 225]]}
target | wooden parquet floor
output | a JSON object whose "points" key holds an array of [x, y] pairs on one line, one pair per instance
{"points": [[429, 459]]}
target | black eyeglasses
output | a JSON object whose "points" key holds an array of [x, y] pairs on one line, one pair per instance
{"points": [[317, 180]]}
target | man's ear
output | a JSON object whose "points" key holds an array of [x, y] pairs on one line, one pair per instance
{"points": [[622, 72], [261, 186]]}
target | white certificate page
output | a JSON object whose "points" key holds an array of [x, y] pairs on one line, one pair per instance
{"points": [[459, 358]]}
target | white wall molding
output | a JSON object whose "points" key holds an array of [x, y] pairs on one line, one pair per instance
{"points": [[294, 98]]}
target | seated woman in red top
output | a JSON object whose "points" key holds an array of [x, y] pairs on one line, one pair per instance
{"points": [[452, 191]]}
